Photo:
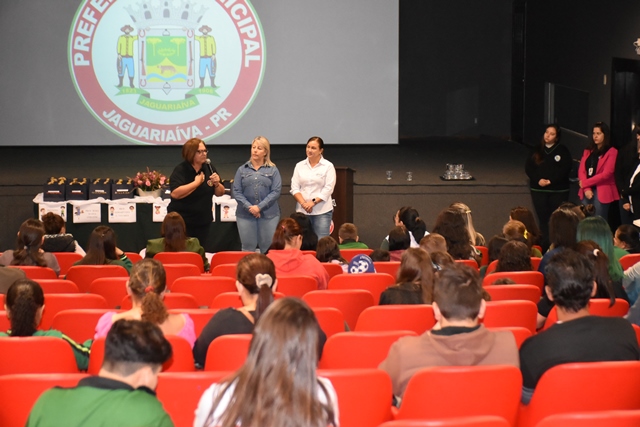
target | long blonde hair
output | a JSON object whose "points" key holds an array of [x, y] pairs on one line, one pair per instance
{"points": [[264, 142], [277, 385]]}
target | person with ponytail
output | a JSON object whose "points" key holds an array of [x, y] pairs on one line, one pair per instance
{"points": [[28, 248], [288, 258], [278, 384], [146, 287], [24, 304], [102, 250], [255, 281], [409, 218]]}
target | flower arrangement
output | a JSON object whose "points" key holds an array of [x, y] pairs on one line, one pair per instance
{"points": [[149, 180]]}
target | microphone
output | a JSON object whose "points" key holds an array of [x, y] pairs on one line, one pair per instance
{"points": [[208, 162]]}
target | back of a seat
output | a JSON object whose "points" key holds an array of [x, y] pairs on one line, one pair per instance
{"points": [[520, 277], [514, 292], [84, 275], [78, 324], [628, 418], [180, 393], [414, 317], [58, 286], [578, 387], [181, 258], [176, 271], [349, 254], [477, 421], [31, 355], [113, 289], [296, 286], [66, 261], [363, 395], [19, 392], [389, 267], [55, 303], [224, 270], [359, 350], [227, 352], [351, 302], [35, 273], [511, 313], [331, 320], [204, 288], [376, 283], [227, 257], [437, 393]]}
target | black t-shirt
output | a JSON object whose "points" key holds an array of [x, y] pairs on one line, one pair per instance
{"points": [[587, 339], [196, 207]]}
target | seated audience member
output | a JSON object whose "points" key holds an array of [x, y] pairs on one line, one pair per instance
{"points": [[328, 251], [493, 248], [121, 395], [380, 255], [514, 256], [515, 230], [414, 281], [526, 217], [56, 238], [597, 229], [440, 260], [606, 286], [174, 239], [399, 241], [433, 242], [578, 336], [102, 250], [348, 236], [24, 304], [277, 385], [626, 238], [451, 224], [256, 281], [461, 340], [408, 218], [8, 276], [289, 260], [476, 239], [563, 227], [309, 236], [28, 251], [146, 287]]}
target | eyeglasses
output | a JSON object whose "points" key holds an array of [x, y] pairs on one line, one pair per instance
{"points": [[202, 151]]}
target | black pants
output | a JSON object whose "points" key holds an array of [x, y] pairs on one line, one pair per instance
{"points": [[199, 231], [545, 203]]}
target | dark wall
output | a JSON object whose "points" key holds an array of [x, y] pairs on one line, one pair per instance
{"points": [[455, 67], [573, 43]]}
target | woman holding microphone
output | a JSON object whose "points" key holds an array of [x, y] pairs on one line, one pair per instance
{"points": [[192, 188], [312, 185], [256, 188]]}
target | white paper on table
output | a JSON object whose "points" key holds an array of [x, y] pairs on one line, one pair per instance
{"points": [[122, 212], [159, 210], [219, 200], [228, 210], [59, 208], [86, 213]]}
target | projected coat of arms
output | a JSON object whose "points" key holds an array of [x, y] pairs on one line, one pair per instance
{"points": [[164, 71]]}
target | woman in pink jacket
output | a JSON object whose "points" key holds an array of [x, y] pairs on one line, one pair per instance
{"points": [[597, 183]]}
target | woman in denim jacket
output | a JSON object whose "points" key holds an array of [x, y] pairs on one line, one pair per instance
{"points": [[256, 188]]}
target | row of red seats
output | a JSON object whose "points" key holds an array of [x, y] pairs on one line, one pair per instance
{"points": [[442, 395]]}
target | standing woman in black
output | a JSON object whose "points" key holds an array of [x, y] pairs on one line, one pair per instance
{"points": [[193, 185], [548, 169]]}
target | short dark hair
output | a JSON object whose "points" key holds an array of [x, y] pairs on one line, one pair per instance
{"points": [[458, 292], [399, 238], [348, 231], [563, 228], [132, 344], [570, 277]]}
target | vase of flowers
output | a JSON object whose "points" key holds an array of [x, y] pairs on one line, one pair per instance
{"points": [[149, 183]]}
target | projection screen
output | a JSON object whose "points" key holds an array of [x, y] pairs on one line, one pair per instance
{"points": [[157, 72]]}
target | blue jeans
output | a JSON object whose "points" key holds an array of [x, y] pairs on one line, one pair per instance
{"points": [[256, 232], [321, 223], [602, 209]]}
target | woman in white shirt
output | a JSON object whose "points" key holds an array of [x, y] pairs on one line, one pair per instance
{"points": [[312, 185], [277, 385]]}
